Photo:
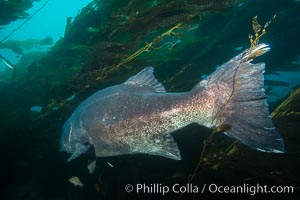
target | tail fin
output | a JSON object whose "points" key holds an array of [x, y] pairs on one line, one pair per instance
{"points": [[247, 111]]}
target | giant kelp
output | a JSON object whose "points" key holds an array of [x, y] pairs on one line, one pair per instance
{"points": [[105, 44], [13, 10], [121, 40]]}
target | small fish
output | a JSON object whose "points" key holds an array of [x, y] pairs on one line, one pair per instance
{"points": [[204, 76], [138, 115], [7, 63], [93, 30], [109, 164], [71, 97], [241, 4], [193, 27], [36, 108], [238, 48], [75, 181]]}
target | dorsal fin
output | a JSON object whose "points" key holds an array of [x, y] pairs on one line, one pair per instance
{"points": [[146, 78]]}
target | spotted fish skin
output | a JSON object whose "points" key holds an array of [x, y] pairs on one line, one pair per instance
{"points": [[138, 115], [130, 118]]}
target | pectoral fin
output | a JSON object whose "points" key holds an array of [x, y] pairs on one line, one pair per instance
{"points": [[91, 167], [80, 149], [165, 146]]}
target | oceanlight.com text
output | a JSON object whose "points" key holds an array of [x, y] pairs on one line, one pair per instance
{"points": [[157, 188], [250, 189]]}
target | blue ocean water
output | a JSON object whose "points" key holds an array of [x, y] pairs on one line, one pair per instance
{"points": [[66, 52]]}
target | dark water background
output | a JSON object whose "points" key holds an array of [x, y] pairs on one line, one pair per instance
{"points": [[32, 166]]}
